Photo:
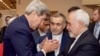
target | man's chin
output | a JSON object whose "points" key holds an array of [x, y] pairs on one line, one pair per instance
{"points": [[71, 35]]}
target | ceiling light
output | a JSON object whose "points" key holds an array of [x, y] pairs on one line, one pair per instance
{"points": [[5, 4], [0, 0]]}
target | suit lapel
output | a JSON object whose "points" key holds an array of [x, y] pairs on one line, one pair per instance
{"points": [[75, 47], [99, 36], [36, 36], [91, 26], [63, 41]]}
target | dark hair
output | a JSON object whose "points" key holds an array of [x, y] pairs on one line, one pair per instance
{"points": [[73, 9], [59, 15], [0, 15], [7, 17], [97, 8]]}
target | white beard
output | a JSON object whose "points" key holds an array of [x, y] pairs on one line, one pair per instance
{"points": [[71, 35]]}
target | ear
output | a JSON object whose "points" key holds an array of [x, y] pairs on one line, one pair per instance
{"points": [[81, 23]]}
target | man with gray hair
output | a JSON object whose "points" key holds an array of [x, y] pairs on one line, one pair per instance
{"points": [[85, 44], [18, 39]]}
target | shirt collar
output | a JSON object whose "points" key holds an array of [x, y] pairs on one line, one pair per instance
{"points": [[41, 33]]}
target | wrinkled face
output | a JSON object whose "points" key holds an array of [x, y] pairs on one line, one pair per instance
{"points": [[95, 16], [44, 26], [72, 26], [57, 25], [36, 20]]}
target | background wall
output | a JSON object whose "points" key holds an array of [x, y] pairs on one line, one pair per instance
{"points": [[54, 5]]}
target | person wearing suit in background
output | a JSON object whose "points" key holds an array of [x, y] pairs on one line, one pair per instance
{"points": [[94, 26], [85, 44], [18, 39], [41, 31], [2, 30]]}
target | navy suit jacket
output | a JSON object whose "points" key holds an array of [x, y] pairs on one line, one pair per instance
{"points": [[86, 45], [18, 39], [65, 38], [36, 36], [38, 39]]}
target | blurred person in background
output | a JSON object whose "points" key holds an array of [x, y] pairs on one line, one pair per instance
{"points": [[2, 30], [94, 26]]}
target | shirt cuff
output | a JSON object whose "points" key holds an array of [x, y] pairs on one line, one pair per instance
{"points": [[43, 52], [38, 47]]}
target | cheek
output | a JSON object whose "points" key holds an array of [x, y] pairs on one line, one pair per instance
{"points": [[72, 29]]}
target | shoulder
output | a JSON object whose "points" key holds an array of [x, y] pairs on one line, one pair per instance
{"points": [[18, 25], [88, 38]]}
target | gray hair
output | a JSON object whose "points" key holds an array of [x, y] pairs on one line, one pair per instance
{"points": [[39, 7], [81, 15]]}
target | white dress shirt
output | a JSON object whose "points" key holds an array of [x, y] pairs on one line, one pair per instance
{"points": [[96, 30], [41, 33], [58, 38]]}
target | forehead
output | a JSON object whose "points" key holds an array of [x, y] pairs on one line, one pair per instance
{"points": [[95, 11], [71, 17], [56, 19]]}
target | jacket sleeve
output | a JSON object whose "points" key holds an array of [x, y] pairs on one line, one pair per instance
{"points": [[24, 44]]}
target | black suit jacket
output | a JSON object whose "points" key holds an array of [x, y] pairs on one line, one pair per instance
{"points": [[86, 45], [2, 33], [18, 39], [91, 28]]}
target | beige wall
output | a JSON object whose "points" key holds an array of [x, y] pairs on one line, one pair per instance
{"points": [[54, 5]]}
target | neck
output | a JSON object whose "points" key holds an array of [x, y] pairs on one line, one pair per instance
{"points": [[28, 17], [82, 30]]}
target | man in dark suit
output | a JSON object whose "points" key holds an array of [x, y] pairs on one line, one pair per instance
{"points": [[57, 25], [94, 26], [2, 30], [41, 31], [18, 39], [85, 44]]}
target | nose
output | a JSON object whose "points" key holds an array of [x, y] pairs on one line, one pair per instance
{"points": [[55, 26]]}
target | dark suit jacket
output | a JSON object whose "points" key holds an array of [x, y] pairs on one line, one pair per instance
{"points": [[18, 39], [38, 39], [2, 33], [86, 45], [91, 28], [65, 38]]}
